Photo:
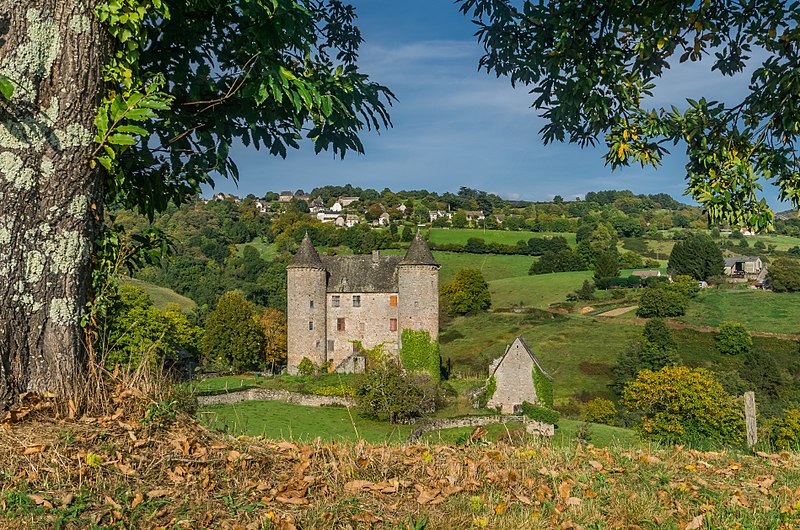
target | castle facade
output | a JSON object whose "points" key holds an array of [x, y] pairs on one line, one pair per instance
{"points": [[338, 302]]}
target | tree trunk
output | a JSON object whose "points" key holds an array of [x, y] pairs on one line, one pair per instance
{"points": [[50, 200]]}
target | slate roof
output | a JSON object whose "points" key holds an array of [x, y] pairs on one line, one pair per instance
{"points": [[306, 256], [730, 262], [419, 253], [496, 364], [362, 274]]}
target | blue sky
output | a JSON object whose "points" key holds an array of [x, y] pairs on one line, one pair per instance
{"points": [[455, 126]]}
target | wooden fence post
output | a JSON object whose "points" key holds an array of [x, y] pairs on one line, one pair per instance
{"points": [[750, 418]]}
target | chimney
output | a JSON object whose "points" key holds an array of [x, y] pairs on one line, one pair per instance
{"points": [[376, 256]]}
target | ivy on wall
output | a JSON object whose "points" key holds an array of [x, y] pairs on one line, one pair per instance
{"points": [[419, 353], [543, 386]]}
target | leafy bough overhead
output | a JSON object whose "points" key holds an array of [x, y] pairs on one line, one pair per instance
{"points": [[592, 65], [187, 79]]}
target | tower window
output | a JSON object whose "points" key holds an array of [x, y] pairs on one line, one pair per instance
{"points": [[393, 300], [335, 301], [310, 325], [356, 300], [339, 324], [392, 324], [311, 304], [330, 345]]}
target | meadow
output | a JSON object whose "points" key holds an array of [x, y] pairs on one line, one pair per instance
{"points": [[162, 297], [758, 310]]}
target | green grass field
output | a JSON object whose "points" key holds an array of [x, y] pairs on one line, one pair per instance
{"points": [[757, 310], [539, 290], [163, 297], [292, 383], [266, 250], [284, 421], [493, 267], [506, 237]]}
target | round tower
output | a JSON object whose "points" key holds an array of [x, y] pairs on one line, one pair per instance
{"points": [[305, 316], [418, 289]]}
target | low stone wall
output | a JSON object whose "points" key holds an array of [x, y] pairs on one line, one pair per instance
{"points": [[260, 394], [475, 421]]}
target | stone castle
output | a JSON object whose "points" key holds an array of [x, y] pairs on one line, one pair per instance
{"points": [[337, 302]]}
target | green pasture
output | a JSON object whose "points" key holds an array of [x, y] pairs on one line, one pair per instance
{"points": [[291, 383], [539, 290], [493, 266], [283, 421], [507, 237], [163, 297], [757, 310], [267, 250]]}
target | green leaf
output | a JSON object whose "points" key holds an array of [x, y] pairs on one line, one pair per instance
{"points": [[122, 139], [132, 129], [6, 87]]}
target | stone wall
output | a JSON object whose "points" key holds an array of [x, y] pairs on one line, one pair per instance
{"points": [[532, 427], [418, 287], [369, 323], [308, 400], [304, 287]]}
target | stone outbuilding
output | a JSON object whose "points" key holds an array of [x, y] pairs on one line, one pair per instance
{"points": [[518, 376], [742, 265]]}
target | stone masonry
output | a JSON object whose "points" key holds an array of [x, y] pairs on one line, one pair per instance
{"points": [[338, 302], [513, 373]]}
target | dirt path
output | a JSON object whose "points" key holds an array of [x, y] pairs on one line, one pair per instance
{"points": [[618, 311]]}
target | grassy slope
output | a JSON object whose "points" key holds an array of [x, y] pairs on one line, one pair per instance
{"points": [[185, 476], [493, 267], [460, 236], [757, 310], [538, 290], [284, 421], [162, 296]]}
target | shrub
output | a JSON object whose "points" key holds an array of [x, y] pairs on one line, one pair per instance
{"points": [[338, 390], [679, 405], [541, 414], [388, 392], [657, 302], [784, 273], [786, 430], [686, 285], [306, 367], [698, 256], [600, 410], [233, 339], [733, 339], [467, 293]]}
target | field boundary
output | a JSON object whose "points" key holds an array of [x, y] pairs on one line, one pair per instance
{"points": [[263, 394]]}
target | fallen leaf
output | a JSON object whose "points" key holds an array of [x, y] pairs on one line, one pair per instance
{"points": [[137, 500], [501, 508], [365, 517], [67, 499], [296, 501], [596, 465], [574, 501], [357, 485], [155, 494], [426, 497], [564, 489], [39, 500], [523, 499], [33, 449], [695, 523]]}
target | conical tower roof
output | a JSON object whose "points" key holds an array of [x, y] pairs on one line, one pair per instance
{"points": [[306, 256], [419, 253]]}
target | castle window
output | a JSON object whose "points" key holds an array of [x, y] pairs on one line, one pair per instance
{"points": [[392, 324], [339, 324], [355, 347], [330, 345], [393, 300], [310, 325], [335, 301], [311, 304], [356, 300]]}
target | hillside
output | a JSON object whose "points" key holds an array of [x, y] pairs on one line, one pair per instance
{"points": [[163, 297], [120, 471]]}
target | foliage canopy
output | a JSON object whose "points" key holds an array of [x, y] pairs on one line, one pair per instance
{"points": [[592, 66]]}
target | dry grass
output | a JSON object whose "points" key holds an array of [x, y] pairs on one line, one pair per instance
{"points": [[146, 467]]}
